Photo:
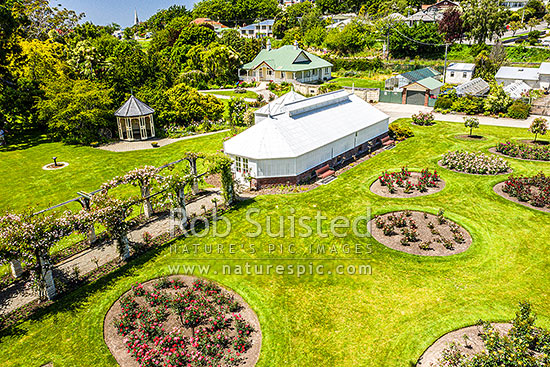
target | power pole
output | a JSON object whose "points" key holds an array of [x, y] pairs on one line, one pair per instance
{"points": [[445, 67]]}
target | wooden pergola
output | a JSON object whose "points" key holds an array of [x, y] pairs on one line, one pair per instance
{"points": [[135, 120]]}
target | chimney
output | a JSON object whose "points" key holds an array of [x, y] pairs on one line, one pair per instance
{"points": [[295, 44], [268, 46]]}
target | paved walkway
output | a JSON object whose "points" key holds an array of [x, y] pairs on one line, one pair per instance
{"points": [[128, 146], [397, 111], [20, 294]]}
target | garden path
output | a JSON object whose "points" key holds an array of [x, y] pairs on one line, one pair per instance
{"points": [[128, 146], [21, 293]]}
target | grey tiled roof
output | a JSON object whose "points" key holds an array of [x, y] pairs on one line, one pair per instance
{"points": [[133, 108]]}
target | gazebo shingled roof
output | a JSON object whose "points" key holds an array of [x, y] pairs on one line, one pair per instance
{"points": [[134, 108]]}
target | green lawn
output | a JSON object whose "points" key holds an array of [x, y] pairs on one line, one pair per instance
{"points": [[359, 82], [247, 94], [25, 183], [384, 319]]}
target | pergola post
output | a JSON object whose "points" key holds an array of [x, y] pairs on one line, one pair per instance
{"points": [[47, 285], [147, 207], [16, 268], [86, 200], [123, 245]]}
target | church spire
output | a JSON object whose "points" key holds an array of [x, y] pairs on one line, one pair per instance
{"points": [[136, 19]]}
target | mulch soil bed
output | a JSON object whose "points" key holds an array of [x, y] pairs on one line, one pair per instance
{"points": [[173, 325], [538, 143], [380, 190], [468, 341], [494, 151], [470, 137], [498, 189], [441, 233], [475, 174]]}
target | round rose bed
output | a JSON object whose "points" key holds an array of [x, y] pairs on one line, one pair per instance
{"points": [[533, 192], [182, 321], [405, 184], [523, 151], [474, 163], [468, 341], [420, 233]]}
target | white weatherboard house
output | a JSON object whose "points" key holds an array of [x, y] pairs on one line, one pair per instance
{"points": [[536, 78], [301, 136], [458, 73]]}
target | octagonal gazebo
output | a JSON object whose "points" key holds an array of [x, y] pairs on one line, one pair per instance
{"points": [[135, 120]]}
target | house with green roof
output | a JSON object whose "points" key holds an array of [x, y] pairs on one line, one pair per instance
{"points": [[286, 64], [420, 87]]}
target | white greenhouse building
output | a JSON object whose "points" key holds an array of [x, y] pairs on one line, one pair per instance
{"points": [[294, 136]]}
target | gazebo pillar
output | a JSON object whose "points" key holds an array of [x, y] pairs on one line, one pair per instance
{"points": [[152, 125], [129, 130]]}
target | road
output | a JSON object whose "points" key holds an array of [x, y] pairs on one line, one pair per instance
{"points": [[397, 111]]}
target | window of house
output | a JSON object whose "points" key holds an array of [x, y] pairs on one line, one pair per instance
{"points": [[241, 164], [464, 74], [452, 74], [269, 72], [238, 164]]}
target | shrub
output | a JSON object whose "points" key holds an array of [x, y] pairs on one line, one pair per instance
{"points": [[444, 103], [519, 110], [538, 126], [521, 188], [474, 163], [469, 104], [423, 118], [497, 100], [400, 133], [539, 153]]}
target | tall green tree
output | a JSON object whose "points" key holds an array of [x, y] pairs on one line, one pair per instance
{"points": [[484, 19], [186, 106], [420, 39], [76, 111]]}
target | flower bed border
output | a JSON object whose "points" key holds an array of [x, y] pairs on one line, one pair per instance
{"points": [[498, 189], [431, 190], [434, 351], [468, 239], [493, 150], [475, 174], [115, 342]]}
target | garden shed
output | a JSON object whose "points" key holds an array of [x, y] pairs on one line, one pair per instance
{"points": [[422, 92], [290, 144], [135, 120]]}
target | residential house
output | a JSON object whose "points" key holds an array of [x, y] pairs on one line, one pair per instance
{"points": [[458, 73], [290, 144], [396, 83], [258, 30], [217, 26], [507, 75], [431, 13], [286, 64]]}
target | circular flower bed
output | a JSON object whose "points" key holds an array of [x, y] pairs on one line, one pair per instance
{"points": [[420, 233], [533, 192], [523, 151], [405, 184], [474, 163], [182, 321], [468, 340]]}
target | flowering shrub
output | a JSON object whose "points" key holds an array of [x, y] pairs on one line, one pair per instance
{"points": [[474, 163], [403, 180], [524, 151], [535, 190], [219, 337], [423, 118]]}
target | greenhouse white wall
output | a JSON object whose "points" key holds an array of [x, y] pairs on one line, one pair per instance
{"points": [[304, 134]]}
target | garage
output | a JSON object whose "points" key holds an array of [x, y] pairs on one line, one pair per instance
{"points": [[416, 97], [418, 93]]}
